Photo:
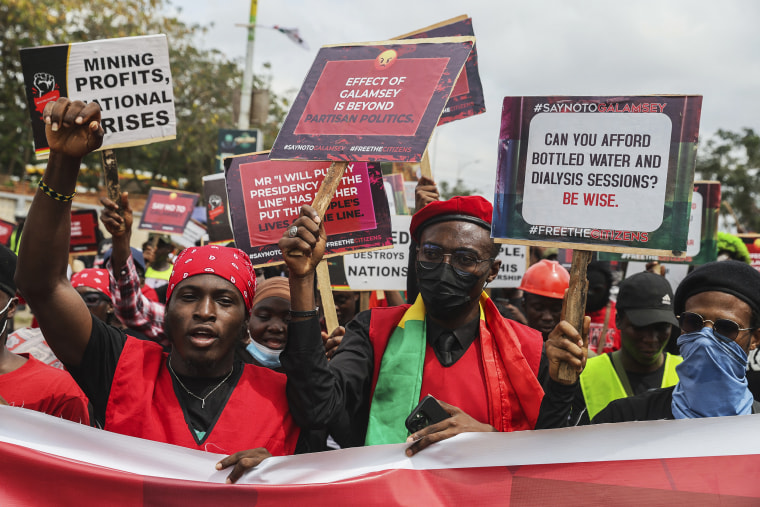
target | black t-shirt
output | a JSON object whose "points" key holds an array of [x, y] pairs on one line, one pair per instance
{"points": [[649, 406], [98, 366]]}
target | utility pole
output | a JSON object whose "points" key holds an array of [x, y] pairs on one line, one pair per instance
{"points": [[245, 96]]}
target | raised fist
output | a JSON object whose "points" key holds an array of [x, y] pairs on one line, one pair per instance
{"points": [[44, 83]]}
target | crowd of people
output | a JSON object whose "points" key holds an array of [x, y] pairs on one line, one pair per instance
{"points": [[209, 356]]}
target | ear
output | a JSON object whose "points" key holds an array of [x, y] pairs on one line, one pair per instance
{"points": [[12, 308], [755, 340], [494, 271]]}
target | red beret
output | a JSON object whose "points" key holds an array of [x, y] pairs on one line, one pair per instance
{"points": [[470, 208]]}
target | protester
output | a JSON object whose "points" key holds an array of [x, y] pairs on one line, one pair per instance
{"points": [[644, 318], [158, 271], [15, 239], [346, 305], [601, 309], [268, 327], [452, 343], [544, 285], [718, 308], [25, 381], [135, 387]]}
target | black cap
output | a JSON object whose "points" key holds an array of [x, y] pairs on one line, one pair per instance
{"points": [[732, 277], [646, 298], [7, 271]]}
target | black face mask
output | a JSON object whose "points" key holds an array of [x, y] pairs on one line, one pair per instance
{"points": [[444, 289]]}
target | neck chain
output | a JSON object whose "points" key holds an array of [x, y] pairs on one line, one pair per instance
{"points": [[188, 391]]}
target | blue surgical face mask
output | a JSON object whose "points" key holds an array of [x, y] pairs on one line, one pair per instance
{"points": [[712, 380], [264, 355]]}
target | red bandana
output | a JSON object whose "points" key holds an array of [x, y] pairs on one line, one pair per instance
{"points": [[93, 278], [230, 263]]}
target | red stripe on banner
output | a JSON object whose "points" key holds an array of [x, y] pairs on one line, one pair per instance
{"points": [[31, 477]]}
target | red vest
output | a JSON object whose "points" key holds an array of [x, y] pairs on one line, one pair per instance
{"points": [[457, 385], [143, 404]]}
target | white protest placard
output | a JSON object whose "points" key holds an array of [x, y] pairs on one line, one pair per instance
{"points": [[514, 262], [129, 77], [382, 269]]}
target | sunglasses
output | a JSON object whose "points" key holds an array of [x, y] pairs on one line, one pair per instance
{"points": [[93, 298], [690, 322]]}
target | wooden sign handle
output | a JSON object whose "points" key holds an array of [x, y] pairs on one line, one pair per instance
{"points": [[325, 291], [425, 168], [574, 304], [111, 178]]}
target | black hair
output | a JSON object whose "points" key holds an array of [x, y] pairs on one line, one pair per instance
{"points": [[602, 268]]}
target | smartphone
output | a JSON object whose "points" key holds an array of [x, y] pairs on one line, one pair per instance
{"points": [[428, 412]]}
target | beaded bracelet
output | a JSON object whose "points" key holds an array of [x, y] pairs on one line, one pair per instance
{"points": [[309, 313], [55, 195]]}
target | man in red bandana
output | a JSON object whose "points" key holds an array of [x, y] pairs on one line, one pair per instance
{"points": [[198, 395], [451, 343]]}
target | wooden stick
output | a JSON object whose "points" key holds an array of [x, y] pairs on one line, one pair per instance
{"points": [[425, 168], [320, 204], [364, 300], [574, 304], [111, 178], [325, 291]]}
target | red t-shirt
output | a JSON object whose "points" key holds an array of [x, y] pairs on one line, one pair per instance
{"points": [[612, 339], [40, 387]]}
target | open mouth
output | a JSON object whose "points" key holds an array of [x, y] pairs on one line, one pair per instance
{"points": [[202, 339], [273, 343]]}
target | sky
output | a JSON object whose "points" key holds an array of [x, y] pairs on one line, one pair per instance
{"points": [[528, 47]]}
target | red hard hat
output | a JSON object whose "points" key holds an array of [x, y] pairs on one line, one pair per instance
{"points": [[546, 278]]}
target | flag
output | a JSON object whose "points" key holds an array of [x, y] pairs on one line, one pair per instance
{"points": [[292, 34]]}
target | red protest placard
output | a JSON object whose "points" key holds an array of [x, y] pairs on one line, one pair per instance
{"points": [[167, 210], [6, 229], [467, 96], [265, 197], [84, 225], [377, 101]]}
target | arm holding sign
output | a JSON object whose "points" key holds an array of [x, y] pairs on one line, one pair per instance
{"points": [[322, 394], [131, 306], [73, 129]]}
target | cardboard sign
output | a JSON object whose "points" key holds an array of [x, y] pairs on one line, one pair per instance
{"points": [[233, 142], [129, 77], [217, 218], [752, 241], [514, 262], [702, 242], [265, 197], [607, 173], [84, 226], [375, 101], [467, 97], [6, 229], [167, 211]]}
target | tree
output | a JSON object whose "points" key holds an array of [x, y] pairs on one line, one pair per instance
{"points": [[459, 188], [733, 158], [204, 81]]}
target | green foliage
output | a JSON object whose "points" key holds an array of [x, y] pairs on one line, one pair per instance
{"points": [[733, 246], [733, 158], [204, 81], [459, 188]]}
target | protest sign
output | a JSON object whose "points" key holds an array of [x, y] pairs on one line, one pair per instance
{"points": [[167, 211], [6, 229], [466, 98], [608, 173], [752, 241], [84, 227], [396, 193], [265, 197], [233, 142], [374, 101], [702, 240], [217, 218], [129, 77], [381, 269], [193, 235], [514, 262]]}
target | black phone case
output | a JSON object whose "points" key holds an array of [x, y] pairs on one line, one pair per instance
{"points": [[427, 412]]}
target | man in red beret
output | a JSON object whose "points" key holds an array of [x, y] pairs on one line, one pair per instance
{"points": [[451, 343]]}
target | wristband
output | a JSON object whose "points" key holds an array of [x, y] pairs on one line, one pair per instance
{"points": [[309, 313], [55, 195]]}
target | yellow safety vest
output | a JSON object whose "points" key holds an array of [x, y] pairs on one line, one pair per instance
{"points": [[601, 384]]}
